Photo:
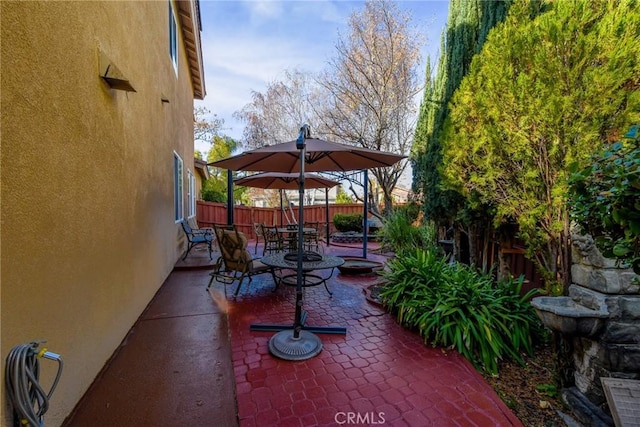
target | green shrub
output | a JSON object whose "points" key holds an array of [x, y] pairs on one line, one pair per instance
{"points": [[412, 210], [410, 276], [453, 305], [604, 199], [399, 233], [348, 222]]}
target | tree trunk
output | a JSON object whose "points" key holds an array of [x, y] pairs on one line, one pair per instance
{"points": [[388, 205], [472, 233], [373, 203], [506, 242], [456, 242], [485, 248]]}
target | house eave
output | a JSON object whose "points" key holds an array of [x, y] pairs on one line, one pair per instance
{"points": [[202, 168], [190, 24]]}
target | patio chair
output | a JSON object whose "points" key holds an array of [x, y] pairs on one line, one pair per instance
{"points": [[272, 239], [290, 238], [196, 237], [311, 239], [194, 226], [257, 229], [235, 261]]}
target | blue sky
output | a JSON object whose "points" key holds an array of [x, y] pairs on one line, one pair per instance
{"points": [[248, 44]]}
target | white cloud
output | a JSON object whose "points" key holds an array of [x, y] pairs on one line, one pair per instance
{"points": [[264, 9]]}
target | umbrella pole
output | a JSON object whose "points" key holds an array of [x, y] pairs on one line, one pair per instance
{"points": [[326, 212], [299, 344], [229, 197], [365, 226], [281, 210], [298, 320]]}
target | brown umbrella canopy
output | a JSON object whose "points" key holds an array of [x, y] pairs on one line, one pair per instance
{"points": [[284, 181], [320, 155]]}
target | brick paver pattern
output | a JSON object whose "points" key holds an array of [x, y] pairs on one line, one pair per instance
{"points": [[378, 374]]}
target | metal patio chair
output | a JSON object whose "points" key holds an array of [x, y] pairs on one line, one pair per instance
{"points": [[196, 237], [273, 241], [257, 229], [312, 238], [194, 225]]}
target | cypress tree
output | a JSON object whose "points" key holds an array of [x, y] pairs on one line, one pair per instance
{"points": [[467, 27]]}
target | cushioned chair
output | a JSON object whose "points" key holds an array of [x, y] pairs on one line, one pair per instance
{"points": [[196, 237], [235, 261]]}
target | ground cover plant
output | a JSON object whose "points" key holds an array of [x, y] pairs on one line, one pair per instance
{"points": [[453, 305]]}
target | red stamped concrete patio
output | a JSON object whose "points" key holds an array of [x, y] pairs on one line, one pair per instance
{"points": [[179, 363], [379, 373]]}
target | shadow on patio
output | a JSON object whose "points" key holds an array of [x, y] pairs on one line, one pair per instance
{"points": [[192, 361]]}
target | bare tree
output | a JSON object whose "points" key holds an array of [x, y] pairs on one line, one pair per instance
{"points": [[371, 86], [206, 125], [276, 115]]}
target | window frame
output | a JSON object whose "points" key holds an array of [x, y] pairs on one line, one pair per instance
{"points": [[173, 37], [178, 188], [191, 194]]}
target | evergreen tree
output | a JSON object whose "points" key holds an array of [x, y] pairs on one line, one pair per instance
{"points": [[542, 95], [467, 28]]}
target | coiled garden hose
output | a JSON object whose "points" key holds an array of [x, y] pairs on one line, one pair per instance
{"points": [[29, 400]]}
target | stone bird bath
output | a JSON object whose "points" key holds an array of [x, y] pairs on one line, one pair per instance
{"points": [[564, 315]]}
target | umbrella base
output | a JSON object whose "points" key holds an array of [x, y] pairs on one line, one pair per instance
{"points": [[284, 346], [315, 329]]}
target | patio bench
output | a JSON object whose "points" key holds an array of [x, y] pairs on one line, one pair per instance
{"points": [[196, 237]]}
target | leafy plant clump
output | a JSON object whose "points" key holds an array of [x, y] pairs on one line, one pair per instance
{"points": [[348, 222], [605, 203], [399, 233], [453, 305]]}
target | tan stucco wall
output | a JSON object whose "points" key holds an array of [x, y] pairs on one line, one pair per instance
{"points": [[87, 232]]}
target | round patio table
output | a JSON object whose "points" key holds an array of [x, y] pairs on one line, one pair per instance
{"points": [[305, 230], [279, 260]]}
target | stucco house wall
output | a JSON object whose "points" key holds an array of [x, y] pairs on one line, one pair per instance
{"points": [[87, 212]]}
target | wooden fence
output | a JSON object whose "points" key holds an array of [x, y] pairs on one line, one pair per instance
{"points": [[244, 217], [516, 264]]}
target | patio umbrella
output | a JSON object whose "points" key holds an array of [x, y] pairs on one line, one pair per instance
{"points": [[284, 181], [289, 181], [313, 155], [320, 156]]}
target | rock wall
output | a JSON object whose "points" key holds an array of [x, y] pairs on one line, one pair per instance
{"points": [[615, 352]]}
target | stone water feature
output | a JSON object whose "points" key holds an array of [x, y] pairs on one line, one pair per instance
{"points": [[601, 316]]}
